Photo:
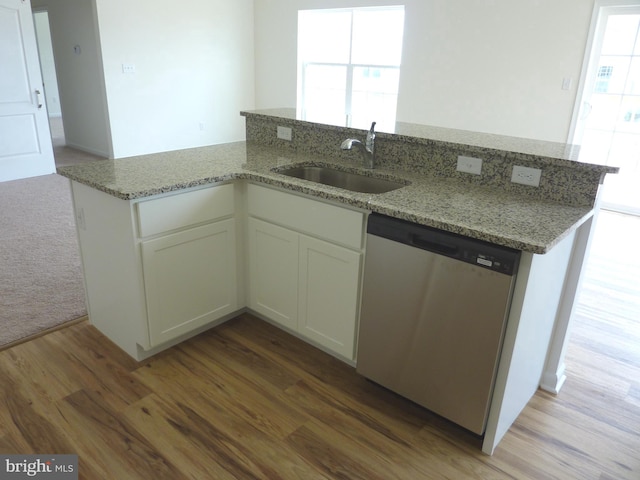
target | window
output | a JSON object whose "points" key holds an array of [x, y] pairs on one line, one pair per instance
{"points": [[349, 65], [602, 82]]}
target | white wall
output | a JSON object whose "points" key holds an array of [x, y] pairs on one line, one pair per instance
{"points": [[194, 72], [493, 66], [80, 81]]}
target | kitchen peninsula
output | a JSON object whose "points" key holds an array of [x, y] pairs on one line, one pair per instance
{"points": [[168, 241]]}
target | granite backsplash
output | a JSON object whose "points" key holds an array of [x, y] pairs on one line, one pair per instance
{"points": [[433, 151]]}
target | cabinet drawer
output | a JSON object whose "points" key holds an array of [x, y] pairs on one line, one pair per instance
{"points": [[316, 218], [184, 209]]}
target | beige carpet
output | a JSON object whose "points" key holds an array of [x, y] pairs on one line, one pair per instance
{"points": [[41, 282], [41, 285]]}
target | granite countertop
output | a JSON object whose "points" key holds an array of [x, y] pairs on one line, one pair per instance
{"points": [[479, 212]]}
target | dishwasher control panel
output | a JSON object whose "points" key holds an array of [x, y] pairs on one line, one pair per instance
{"points": [[493, 262], [470, 250]]}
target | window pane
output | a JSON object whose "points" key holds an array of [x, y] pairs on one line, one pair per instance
{"points": [[629, 117], [595, 147], [374, 107], [612, 74], [625, 152], [620, 34], [377, 36], [604, 113], [324, 94], [374, 97], [633, 81], [324, 36], [374, 79]]}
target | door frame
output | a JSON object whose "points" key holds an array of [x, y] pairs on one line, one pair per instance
{"points": [[29, 151], [601, 8]]}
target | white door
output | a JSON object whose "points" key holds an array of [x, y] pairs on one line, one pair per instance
{"points": [[608, 128], [25, 141]]}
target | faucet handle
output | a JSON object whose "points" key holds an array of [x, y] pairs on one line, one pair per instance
{"points": [[371, 136]]}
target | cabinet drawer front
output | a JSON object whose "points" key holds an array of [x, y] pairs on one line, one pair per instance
{"points": [[184, 209], [309, 216]]}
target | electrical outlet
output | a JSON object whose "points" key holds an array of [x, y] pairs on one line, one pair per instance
{"points": [[469, 165], [128, 68], [82, 225], [284, 133], [526, 175]]}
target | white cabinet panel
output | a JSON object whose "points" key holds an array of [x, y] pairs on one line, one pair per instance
{"points": [[328, 300], [189, 279], [185, 209], [305, 215], [273, 272]]}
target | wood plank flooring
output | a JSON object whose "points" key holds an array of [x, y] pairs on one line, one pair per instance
{"points": [[246, 400]]}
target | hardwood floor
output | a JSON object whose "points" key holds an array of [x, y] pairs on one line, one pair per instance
{"points": [[246, 400]]}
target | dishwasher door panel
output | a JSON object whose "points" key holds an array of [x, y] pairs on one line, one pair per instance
{"points": [[431, 329]]}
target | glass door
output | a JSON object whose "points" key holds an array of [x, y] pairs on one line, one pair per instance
{"points": [[609, 124]]}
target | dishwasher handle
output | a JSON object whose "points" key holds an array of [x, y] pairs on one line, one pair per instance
{"points": [[448, 249]]}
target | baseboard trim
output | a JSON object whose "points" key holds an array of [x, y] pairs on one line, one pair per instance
{"points": [[552, 381], [87, 150]]}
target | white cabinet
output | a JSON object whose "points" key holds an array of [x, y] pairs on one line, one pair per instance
{"points": [[189, 274], [163, 268], [189, 279], [273, 272], [328, 297], [309, 284], [160, 269]]}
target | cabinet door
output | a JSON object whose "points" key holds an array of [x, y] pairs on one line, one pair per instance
{"points": [[190, 279], [273, 272], [329, 291]]}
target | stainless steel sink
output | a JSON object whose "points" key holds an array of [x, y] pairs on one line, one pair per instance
{"points": [[341, 179]]}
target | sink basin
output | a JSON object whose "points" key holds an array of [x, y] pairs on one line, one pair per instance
{"points": [[341, 179]]}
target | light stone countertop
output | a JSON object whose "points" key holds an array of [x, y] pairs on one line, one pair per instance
{"points": [[479, 212], [553, 152]]}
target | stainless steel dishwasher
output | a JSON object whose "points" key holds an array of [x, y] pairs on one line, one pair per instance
{"points": [[434, 309]]}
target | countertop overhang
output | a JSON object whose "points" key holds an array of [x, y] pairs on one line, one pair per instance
{"points": [[479, 212]]}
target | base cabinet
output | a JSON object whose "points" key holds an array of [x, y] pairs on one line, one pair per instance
{"points": [[166, 267], [304, 283], [328, 298], [273, 272], [159, 269], [189, 279]]}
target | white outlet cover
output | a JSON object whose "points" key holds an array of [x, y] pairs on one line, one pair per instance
{"points": [[469, 165], [526, 175], [284, 133]]}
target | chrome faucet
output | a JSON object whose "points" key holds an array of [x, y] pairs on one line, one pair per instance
{"points": [[368, 149]]}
